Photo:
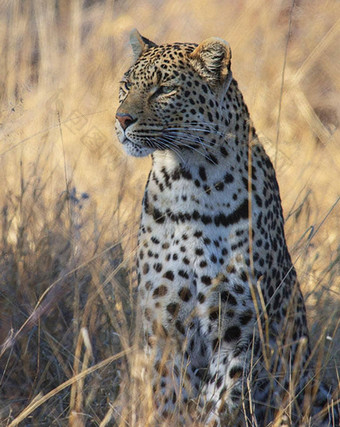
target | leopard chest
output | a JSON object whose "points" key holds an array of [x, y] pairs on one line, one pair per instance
{"points": [[192, 249]]}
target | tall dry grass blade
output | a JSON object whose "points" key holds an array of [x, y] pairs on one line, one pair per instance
{"points": [[278, 123]]}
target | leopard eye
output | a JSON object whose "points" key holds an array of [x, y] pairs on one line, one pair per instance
{"points": [[127, 85], [165, 90]]}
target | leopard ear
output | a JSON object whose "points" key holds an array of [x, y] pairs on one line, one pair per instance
{"points": [[139, 43], [212, 60]]}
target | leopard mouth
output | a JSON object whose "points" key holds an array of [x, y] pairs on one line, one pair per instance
{"points": [[135, 149]]}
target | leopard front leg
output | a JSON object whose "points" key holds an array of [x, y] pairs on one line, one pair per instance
{"points": [[228, 319], [174, 379], [226, 392]]}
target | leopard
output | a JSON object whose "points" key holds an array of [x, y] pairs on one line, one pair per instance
{"points": [[224, 319]]}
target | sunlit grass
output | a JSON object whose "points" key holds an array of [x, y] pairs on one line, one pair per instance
{"points": [[70, 197]]}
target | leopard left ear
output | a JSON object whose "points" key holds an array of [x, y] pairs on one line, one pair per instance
{"points": [[139, 43], [212, 60]]}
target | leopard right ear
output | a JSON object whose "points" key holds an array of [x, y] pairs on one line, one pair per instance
{"points": [[212, 59], [139, 43]]}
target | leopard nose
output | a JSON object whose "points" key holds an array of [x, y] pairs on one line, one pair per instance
{"points": [[125, 120]]}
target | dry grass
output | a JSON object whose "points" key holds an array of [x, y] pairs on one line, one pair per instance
{"points": [[70, 198]]}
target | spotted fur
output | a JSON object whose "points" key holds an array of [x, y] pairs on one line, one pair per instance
{"points": [[223, 314]]}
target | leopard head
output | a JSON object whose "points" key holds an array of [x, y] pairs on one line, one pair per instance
{"points": [[171, 97]]}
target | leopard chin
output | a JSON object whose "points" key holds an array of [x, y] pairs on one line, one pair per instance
{"points": [[135, 150]]}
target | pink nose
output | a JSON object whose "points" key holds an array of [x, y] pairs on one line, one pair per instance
{"points": [[125, 120]]}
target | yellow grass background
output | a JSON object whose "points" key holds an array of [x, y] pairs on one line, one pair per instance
{"points": [[70, 198]]}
